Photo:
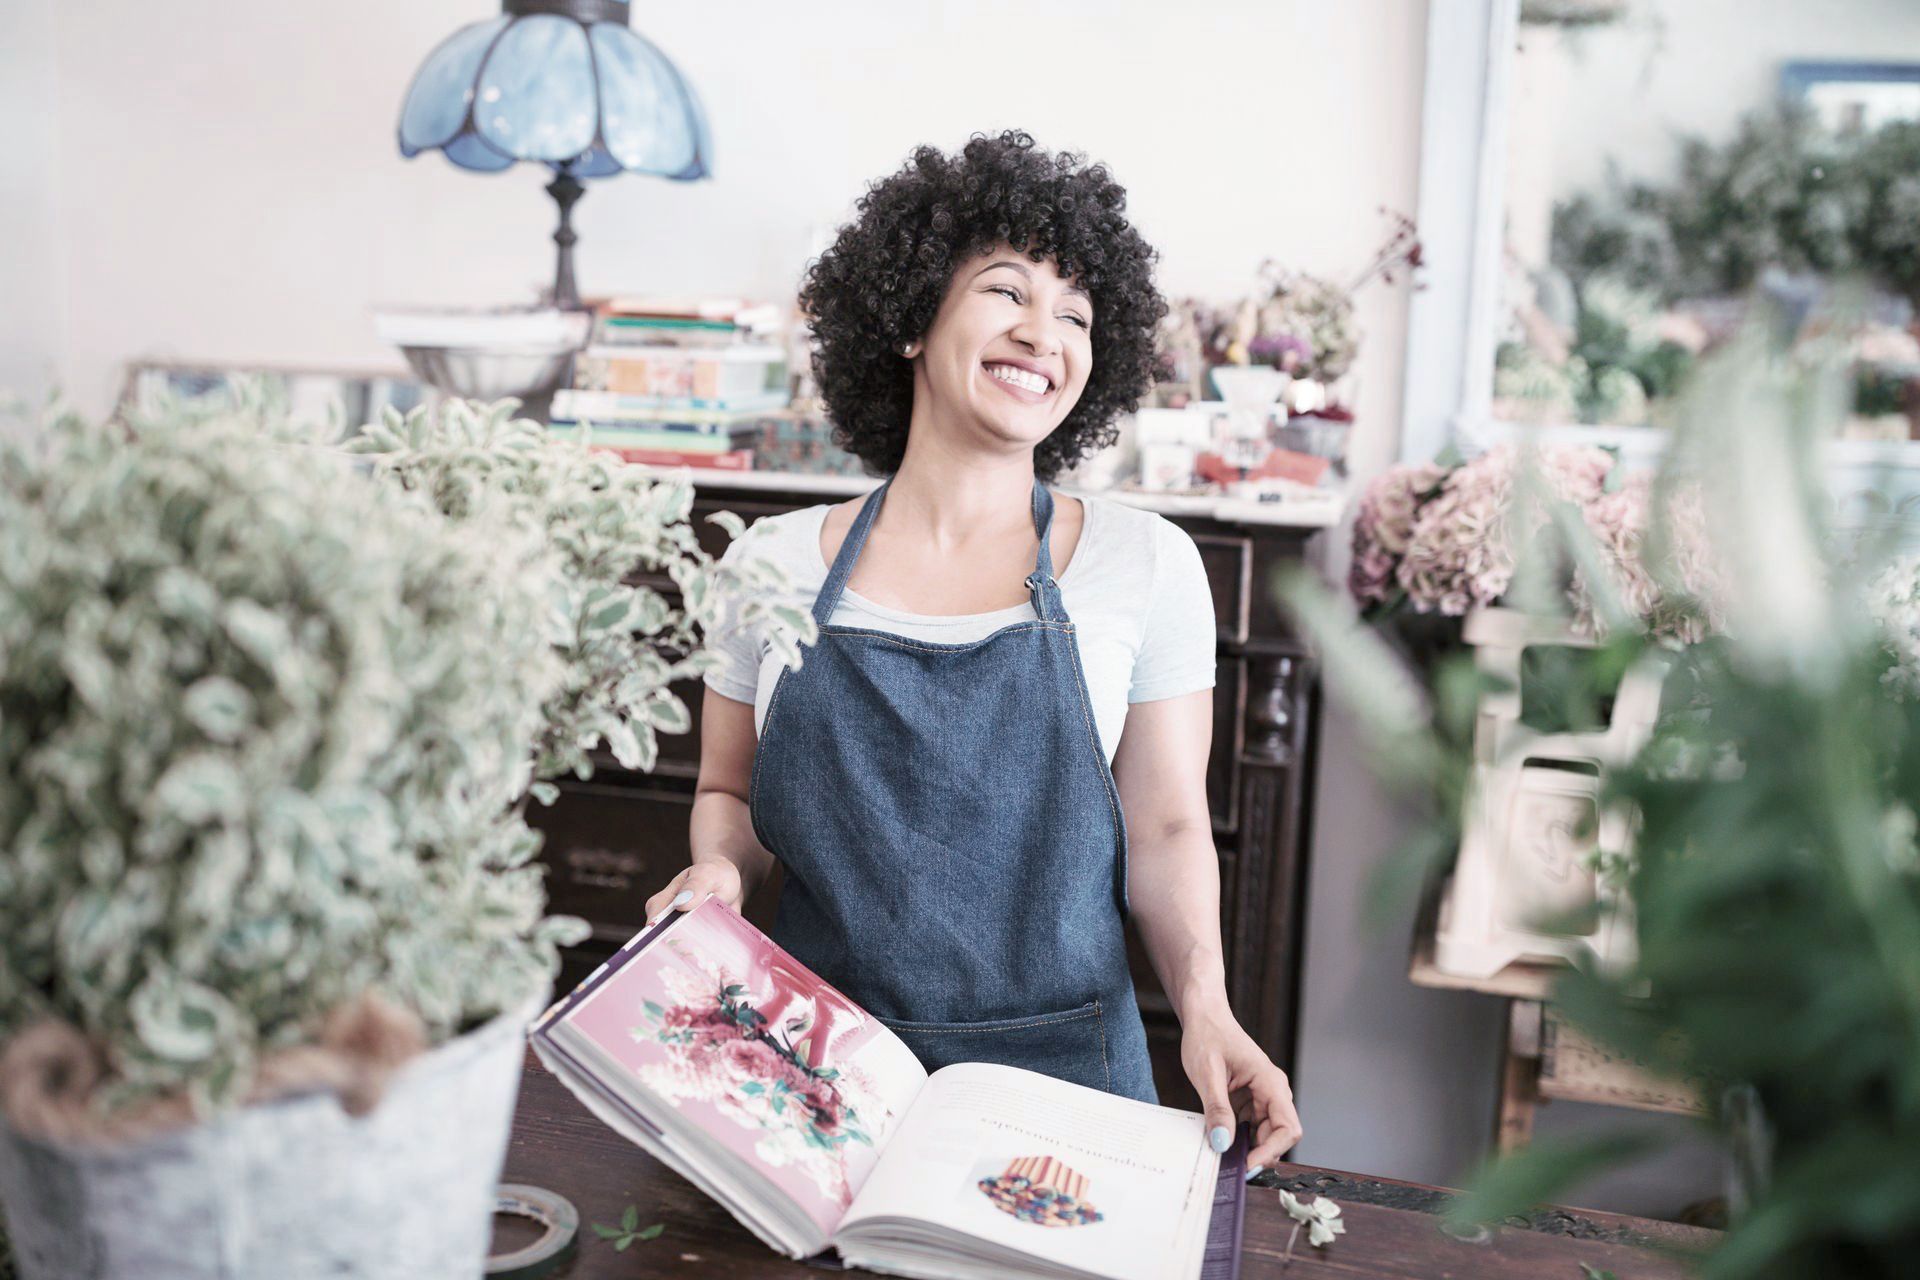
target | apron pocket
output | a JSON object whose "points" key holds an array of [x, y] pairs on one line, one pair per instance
{"points": [[1068, 1045]]}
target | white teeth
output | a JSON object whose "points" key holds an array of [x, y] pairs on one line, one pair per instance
{"points": [[1019, 377]]}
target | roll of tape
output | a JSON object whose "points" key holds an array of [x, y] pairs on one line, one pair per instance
{"points": [[555, 1213]]}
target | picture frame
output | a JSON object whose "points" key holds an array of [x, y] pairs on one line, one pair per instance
{"points": [[1854, 97]]}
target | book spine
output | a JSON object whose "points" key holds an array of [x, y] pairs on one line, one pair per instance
{"points": [[642, 431], [608, 967], [666, 324], [693, 378], [647, 331], [693, 341], [732, 460], [594, 402], [739, 352], [670, 441], [704, 419]]}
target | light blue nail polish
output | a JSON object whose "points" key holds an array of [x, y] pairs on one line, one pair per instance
{"points": [[1219, 1138], [1255, 1172], [683, 897]]}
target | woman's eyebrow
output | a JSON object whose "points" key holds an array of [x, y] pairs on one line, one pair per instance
{"points": [[1015, 266]]}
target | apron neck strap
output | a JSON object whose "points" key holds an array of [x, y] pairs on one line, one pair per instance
{"points": [[1040, 583], [1045, 591], [829, 598]]}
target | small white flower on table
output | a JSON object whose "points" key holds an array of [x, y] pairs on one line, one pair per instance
{"points": [[1321, 1218]]}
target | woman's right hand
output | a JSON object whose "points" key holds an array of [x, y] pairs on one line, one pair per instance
{"points": [[691, 887]]}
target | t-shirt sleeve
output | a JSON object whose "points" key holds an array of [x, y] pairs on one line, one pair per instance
{"points": [[736, 645], [1177, 643]]}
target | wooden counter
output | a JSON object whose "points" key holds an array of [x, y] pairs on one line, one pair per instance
{"points": [[559, 1145]]}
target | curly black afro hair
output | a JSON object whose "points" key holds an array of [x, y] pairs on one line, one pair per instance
{"points": [[879, 285]]}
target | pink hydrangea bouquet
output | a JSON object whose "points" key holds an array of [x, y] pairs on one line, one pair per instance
{"points": [[1440, 539]]}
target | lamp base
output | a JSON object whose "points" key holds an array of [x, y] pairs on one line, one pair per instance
{"points": [[566, 191]]}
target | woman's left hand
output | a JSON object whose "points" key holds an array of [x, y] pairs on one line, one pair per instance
{"points": [[1237, 1081]]}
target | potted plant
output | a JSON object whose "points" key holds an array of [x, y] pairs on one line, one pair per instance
{"points": [[1447, 538], [623, 643], [1305, 326], [269, 928], [1451, 543]]}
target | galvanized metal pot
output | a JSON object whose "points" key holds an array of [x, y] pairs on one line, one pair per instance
{"points": [[289, 1189]]}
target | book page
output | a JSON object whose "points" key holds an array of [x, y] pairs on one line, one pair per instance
{"points": [[1087, 1179], [745, 1043]]}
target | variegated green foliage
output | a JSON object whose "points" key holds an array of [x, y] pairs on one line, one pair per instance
{"points": [[1774, 869], [622, 643], [263, 724]]}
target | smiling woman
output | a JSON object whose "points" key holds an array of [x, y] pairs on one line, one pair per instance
{"points": [[1049, 235], [995, 755]]}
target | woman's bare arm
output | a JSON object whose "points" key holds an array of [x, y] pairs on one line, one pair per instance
{"points": [[728, 859], [1173, 886], [1173, 880]]}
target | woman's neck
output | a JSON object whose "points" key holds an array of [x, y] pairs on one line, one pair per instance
{"points": [[953, 497]]}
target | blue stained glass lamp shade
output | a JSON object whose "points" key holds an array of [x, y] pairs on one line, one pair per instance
{"points": [[563, 83]]}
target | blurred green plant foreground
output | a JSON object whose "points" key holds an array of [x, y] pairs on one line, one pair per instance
{"points": [[273, 706], [1776, 871]]}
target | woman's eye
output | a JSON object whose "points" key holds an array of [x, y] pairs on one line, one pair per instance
{"points": [[1009, 291]]}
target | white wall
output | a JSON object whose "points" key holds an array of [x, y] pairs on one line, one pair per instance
{"points": [[227, 188], [245, 200], [32, 259]]}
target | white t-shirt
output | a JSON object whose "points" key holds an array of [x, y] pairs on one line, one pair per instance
{"points": [[1134, 587]]}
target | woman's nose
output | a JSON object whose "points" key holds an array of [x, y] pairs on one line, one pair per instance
{"points": [[1039, 334]]}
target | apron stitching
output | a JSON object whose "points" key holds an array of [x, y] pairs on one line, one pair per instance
{"points": [[1106, 1064], [1106, 772], [881, 637], [989, 1031], [753, 789]]}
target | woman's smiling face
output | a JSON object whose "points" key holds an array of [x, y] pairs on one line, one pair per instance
{"points": [[1010, 347]]}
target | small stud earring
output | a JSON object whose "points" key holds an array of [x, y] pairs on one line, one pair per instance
{"points": [[909, 350]]}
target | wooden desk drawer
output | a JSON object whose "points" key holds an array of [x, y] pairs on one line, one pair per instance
{"points": [[683, 749], [608, 847], [711, 538], [714, 539], [1229, 734], [1229, 564]]}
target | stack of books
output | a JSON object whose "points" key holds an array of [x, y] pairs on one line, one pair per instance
{"points": [[676, 382]]}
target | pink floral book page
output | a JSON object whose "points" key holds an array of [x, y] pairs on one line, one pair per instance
{"points": [[717, 1021]]}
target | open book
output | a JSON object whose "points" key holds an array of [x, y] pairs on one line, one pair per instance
{"points": [[709, 1046]]}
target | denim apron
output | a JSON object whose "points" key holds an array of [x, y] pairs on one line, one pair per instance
{"points": [[953, 847]]}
